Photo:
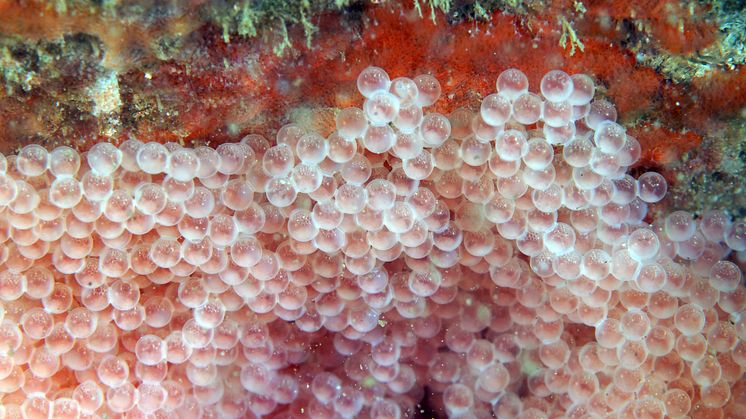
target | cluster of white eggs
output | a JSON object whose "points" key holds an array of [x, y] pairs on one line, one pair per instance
{"points": [[494, 262]]}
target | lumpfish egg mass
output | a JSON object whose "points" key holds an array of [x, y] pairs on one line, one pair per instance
{"points": [[489, 262]]}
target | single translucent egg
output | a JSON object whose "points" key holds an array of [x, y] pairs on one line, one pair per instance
{"points": [[64, 161], [556, 86], [184, 165], [405, 89], [583, 89], [600, 111], [32, 160], [435, 129], [379, 139], [511, 145], [152, 158], [234, 158], [512, 83], [281, 192], [311, 148], [557, 114], [372, 80], [527, 108], [495, 109], [408, 118], [381, 108], [610, 137], [680, 226], [428, 89], [653, 187]]}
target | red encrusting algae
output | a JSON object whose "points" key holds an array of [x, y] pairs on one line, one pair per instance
{"points": [[664, 147], [222, 90]]}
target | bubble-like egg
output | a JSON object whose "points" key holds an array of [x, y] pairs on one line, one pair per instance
{"points": [[32, 160], [371, 80], [428, 89], [381, 107], [527, 108], [556, 86], [152, 158], [512, 83]]}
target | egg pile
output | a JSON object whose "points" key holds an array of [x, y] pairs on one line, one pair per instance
{"points": [[496, 262]]}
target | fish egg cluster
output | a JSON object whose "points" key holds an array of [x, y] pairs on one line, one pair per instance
{"points": [[492, 262]]}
